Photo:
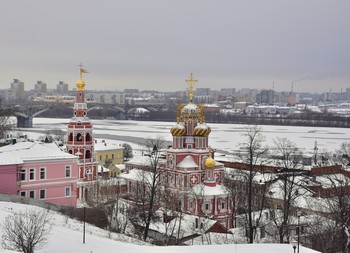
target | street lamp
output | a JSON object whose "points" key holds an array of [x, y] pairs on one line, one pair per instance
{"points": [[294, 244], [298, 215]]}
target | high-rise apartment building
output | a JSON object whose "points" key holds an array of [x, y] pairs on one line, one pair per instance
{"points": [[62, 88], [265, 97], [348, 94], [40, 87], [16, 92]]}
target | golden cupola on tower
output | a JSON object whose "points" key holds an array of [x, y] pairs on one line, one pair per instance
{"points": [[80, 83], [209, 162]]}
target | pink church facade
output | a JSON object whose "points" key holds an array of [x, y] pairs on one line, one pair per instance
{"points": [[41, 171], [54, 182], [10, 167], [189, 171]]}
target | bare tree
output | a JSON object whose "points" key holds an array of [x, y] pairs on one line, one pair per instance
{"points": [[172, 216], [149, 186], [26, 231], [337, 193], [198, 195], [324, 235], [288, 159], [6, 123], [255, 156], [343, 153], [53, 135], [233, 189], [108, 198]]}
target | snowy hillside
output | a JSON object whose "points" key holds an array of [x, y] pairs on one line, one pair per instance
{"points": [[66, 236]]}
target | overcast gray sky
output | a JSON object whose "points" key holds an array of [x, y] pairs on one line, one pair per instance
{"points": [[155, 44]]}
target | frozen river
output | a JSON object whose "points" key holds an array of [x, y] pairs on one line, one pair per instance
{"points": [[224, 137]]}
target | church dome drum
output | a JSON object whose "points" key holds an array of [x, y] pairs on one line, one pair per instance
{"points": [[190, 112]]}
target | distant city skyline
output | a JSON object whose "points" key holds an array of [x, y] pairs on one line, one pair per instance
{"points": [[155, 45]]}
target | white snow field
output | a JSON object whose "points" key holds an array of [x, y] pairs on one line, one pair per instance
{"points": [[224, 137], [66, 236]]}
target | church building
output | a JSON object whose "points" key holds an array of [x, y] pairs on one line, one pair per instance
{"points": [[190, 170], [80, 142]]}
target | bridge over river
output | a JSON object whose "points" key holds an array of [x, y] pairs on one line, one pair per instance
{"points": [[26, 113]]}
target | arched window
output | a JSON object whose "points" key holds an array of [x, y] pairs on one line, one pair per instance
{"points": [[87, 154], [70, 138], [88, 137], [79, 138]]}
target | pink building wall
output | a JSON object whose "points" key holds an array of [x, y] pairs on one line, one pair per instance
{"points": [[8, 179], [54, 183]]}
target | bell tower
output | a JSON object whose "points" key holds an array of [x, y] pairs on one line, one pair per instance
{"points": [[80, 141]]}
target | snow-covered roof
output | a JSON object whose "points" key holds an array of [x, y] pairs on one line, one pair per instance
{"points": [[34, 151], [187, 162], [104, 146], [137, 175], [120, 166], [204, 190], [141, 110], [201, 126], [190, 106], [9, 159], [101, 169], [241, 175], [332, 180], [143, 161], [179, 125], [187, 225], [313, 108]]}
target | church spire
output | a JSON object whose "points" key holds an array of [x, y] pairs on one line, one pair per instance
{"points": [[191, 81]]}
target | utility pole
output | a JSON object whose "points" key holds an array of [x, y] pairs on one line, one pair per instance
{"points": [[84, 225]]}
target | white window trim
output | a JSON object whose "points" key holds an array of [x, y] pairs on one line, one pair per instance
{"points": [[40, 193], [25, 194], [44, 173], [209, 205], [70, 191], [32, 191], [225, 205], [29, 172], [24, 171], [70, 171]]}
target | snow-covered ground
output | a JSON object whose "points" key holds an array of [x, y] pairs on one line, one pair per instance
{"points": [[224, 137], [66, 236]]}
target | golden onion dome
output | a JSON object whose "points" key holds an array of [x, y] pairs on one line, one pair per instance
{"points": [[202, 130], [209, 163], [178, 130], [80, 84]]}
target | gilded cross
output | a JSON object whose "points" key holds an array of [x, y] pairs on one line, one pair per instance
{"points": [[80, 68], [191, 81], [82, 71]]}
